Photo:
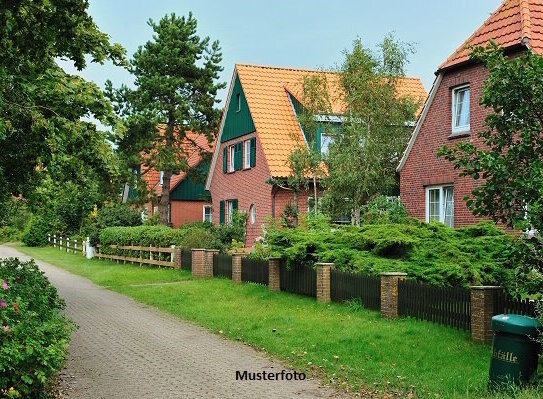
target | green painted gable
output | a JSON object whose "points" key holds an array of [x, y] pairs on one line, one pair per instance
{"points": [[192, 188], [238, 122]]}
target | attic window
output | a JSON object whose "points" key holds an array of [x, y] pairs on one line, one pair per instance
{"points": [[238, 97], [460, 109]]}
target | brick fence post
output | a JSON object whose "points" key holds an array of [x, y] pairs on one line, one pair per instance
{"points": [[198, 262], [209, 261], [484, 304], [177, 257], [323, 281], [274, 283], [389, 293], [236, 268]]}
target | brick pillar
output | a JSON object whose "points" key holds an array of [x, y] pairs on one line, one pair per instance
{"points": [[484, 301], [236, 268], [389, 293], [209, 261], [199, 263], [273, 274], [177, 257], [323, 281]]}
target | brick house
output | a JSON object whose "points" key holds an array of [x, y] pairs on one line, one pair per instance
{"points": [[189, 200], [430, 188], [258, 131]]}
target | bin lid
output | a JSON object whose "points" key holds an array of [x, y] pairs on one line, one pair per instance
{"points": [[515, 324]]}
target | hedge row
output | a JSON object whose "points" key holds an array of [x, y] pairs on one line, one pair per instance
{"points": [[34, 335]]}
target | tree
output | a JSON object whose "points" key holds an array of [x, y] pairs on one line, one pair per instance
{"points": [[365, 149], [41, 105], [175, 92], [509, 163]]}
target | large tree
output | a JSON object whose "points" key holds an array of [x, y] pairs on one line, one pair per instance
{"points": [[41, 106], [366, 148], [176, 76]]}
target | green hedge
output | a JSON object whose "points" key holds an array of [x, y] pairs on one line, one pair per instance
{"points": [[34, 335]]}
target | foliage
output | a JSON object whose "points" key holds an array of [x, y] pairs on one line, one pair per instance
{"points": [[509, 163], [526, 257], [175, 93], [41, 106], [430, 253], [34, 334], [289, 216], [112, 215], [14, 213], [382, 209], [364, 151], [8, 234], [35, 233]]}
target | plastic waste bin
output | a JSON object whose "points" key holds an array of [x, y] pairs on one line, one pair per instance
{"points": [[514, 350]]}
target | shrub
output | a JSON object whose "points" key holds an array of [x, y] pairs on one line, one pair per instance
{"points": [[34, 335], [8, 234], [110, 216], [35, 234], [382, 209]]}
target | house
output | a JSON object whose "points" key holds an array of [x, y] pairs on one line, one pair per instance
{"points": [[259, 129], [189, 200], [430, 188]]}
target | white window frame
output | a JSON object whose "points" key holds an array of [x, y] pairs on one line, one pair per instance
{"points": [[210, 207], [231, 153], [460, 128], [161, 181], [252, 214], [229, 211], [441, 202], [330, 140], [247, 154]]}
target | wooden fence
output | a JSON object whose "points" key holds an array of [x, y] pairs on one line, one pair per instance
{"points": [[443, 305], [345, 286], [298, 279], [158, 256], [507, 304], [222, 265], [65, 243], [254, 271]]}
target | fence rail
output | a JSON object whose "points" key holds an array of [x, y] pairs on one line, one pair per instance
{"points": [[345, 286], [254, 271], [222, 265], [298, 279], [66, 243], [156, 256], [443, 305]]}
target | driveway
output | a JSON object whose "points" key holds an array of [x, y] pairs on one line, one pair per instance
{"points": [[124, 349]]}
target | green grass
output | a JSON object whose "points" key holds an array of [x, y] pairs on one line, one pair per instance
{"points": [[354, 349]]}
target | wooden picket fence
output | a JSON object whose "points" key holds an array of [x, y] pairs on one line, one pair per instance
{"points": [[298, 279], [65, 243], [144, 255], [347, 286]]}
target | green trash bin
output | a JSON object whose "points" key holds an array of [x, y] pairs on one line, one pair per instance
{"points": [[514, 350]]}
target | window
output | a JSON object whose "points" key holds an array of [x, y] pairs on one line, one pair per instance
{"points": [[252, 213], [207, 213], [247, 154], [231, 206], [440, 204], [311, 204], [161, 178], [326, 139], [238, 99], [460, 109], [231, 167]]}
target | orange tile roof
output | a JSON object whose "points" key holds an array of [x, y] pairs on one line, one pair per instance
{"points": [[193, 148], [514, 23], [276, 125]]}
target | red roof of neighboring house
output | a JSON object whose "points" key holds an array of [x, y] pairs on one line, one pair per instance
{"points": [[194, 147], [514, 23]]}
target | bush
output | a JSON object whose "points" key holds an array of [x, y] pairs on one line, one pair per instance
{"points": [[35, 234], [382, 209], [110, 216], [8, 234], [34, 335]]}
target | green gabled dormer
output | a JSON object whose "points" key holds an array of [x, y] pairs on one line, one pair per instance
{"points": [[238, 121]]}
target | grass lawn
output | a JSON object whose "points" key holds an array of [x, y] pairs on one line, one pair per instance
{"points": [[354, 348]]}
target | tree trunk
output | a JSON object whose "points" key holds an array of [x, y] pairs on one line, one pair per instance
{"points": [[315, 193], [164, 203], [355, 220]]}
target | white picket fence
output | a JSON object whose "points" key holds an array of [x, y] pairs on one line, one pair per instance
{"points": [[70, 245]]}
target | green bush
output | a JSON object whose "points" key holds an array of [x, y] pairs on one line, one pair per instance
{"points": [[382, 209], [34, 335], [110, 216], [8, 234], [35, 234]]}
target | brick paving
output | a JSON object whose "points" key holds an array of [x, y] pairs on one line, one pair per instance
{"points": [[124, 349]]}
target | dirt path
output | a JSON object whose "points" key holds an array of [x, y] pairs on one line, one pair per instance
{"points": [[124, 349]]}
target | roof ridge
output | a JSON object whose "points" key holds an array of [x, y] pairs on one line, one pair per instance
{"points": [[525, 21], [284, 68]]}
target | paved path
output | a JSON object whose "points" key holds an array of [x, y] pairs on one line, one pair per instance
{"points": [[124, 349]]}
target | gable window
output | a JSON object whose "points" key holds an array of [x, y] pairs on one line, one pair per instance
{"points": [[326, 139], [207, 213], [238, 99], [246, 154], [231, 165], [440, 204], [252, 213], [460, 109]]}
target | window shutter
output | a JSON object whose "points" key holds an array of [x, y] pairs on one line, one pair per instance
{"points": [[253, 152], [238, 151], [221, 212], [235, 204], [225, 159]]}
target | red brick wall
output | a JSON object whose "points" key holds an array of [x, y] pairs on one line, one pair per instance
{"points": [[285, 197], [247, 186], [186, 212], [423, 168]]}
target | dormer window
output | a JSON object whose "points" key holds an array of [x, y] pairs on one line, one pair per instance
{"points": [[460, 109]]}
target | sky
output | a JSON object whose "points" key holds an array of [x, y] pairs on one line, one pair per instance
{"points": [[295, 33]]}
